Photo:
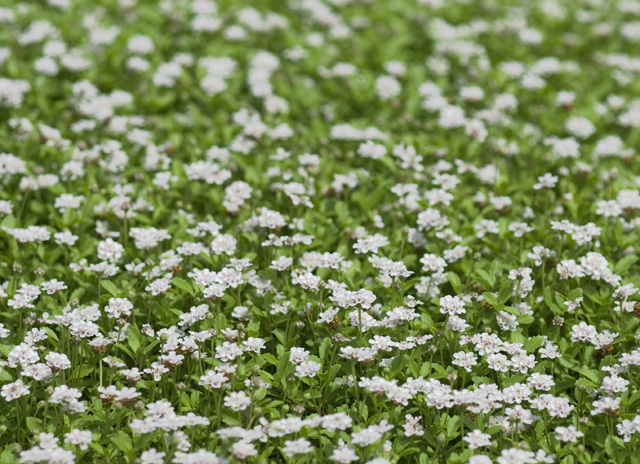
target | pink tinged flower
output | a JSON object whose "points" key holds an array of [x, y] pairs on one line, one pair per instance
{"points": [[297, 447], [12, 391], [568, 434], [477, 439], [237, 401]]}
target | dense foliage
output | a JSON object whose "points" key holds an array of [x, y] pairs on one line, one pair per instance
{"points": [[395, 231]]}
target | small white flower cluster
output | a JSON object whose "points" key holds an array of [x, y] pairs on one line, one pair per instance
{"points": [[325, 230]]}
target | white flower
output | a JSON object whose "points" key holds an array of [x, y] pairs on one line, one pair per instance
{"points": [[12, 391], [297, 447], [109, 250], [568, 434], [281, 264], [388, 87], [477, 439], [79, 438], [546, 181], [237, 401], [452, 305]]}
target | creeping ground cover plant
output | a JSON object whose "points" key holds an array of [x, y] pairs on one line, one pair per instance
{"points": [[319, 231]]}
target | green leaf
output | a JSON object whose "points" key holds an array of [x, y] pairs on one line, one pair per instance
{"points": [[396, 366], [506, 290], [183, 285], [5, 376], [591, 375], [525, 319], [85, 370], [489, 279], [533, 343], [452, 426], [549, 299], [324, 346], [612, 446], [7, 457], [597, 434], [134, 339], [271, 359], [625, 263], [280, 366], [575, 293], [259, 394], [110, 287], [342, 211], [491, 299], [122, 441], [495, 270], [33, 423], [333, 371], [126, 350], [455, 282], [279, 334]]}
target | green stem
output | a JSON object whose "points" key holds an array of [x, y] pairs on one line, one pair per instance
{"points": [[359, 326]]}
